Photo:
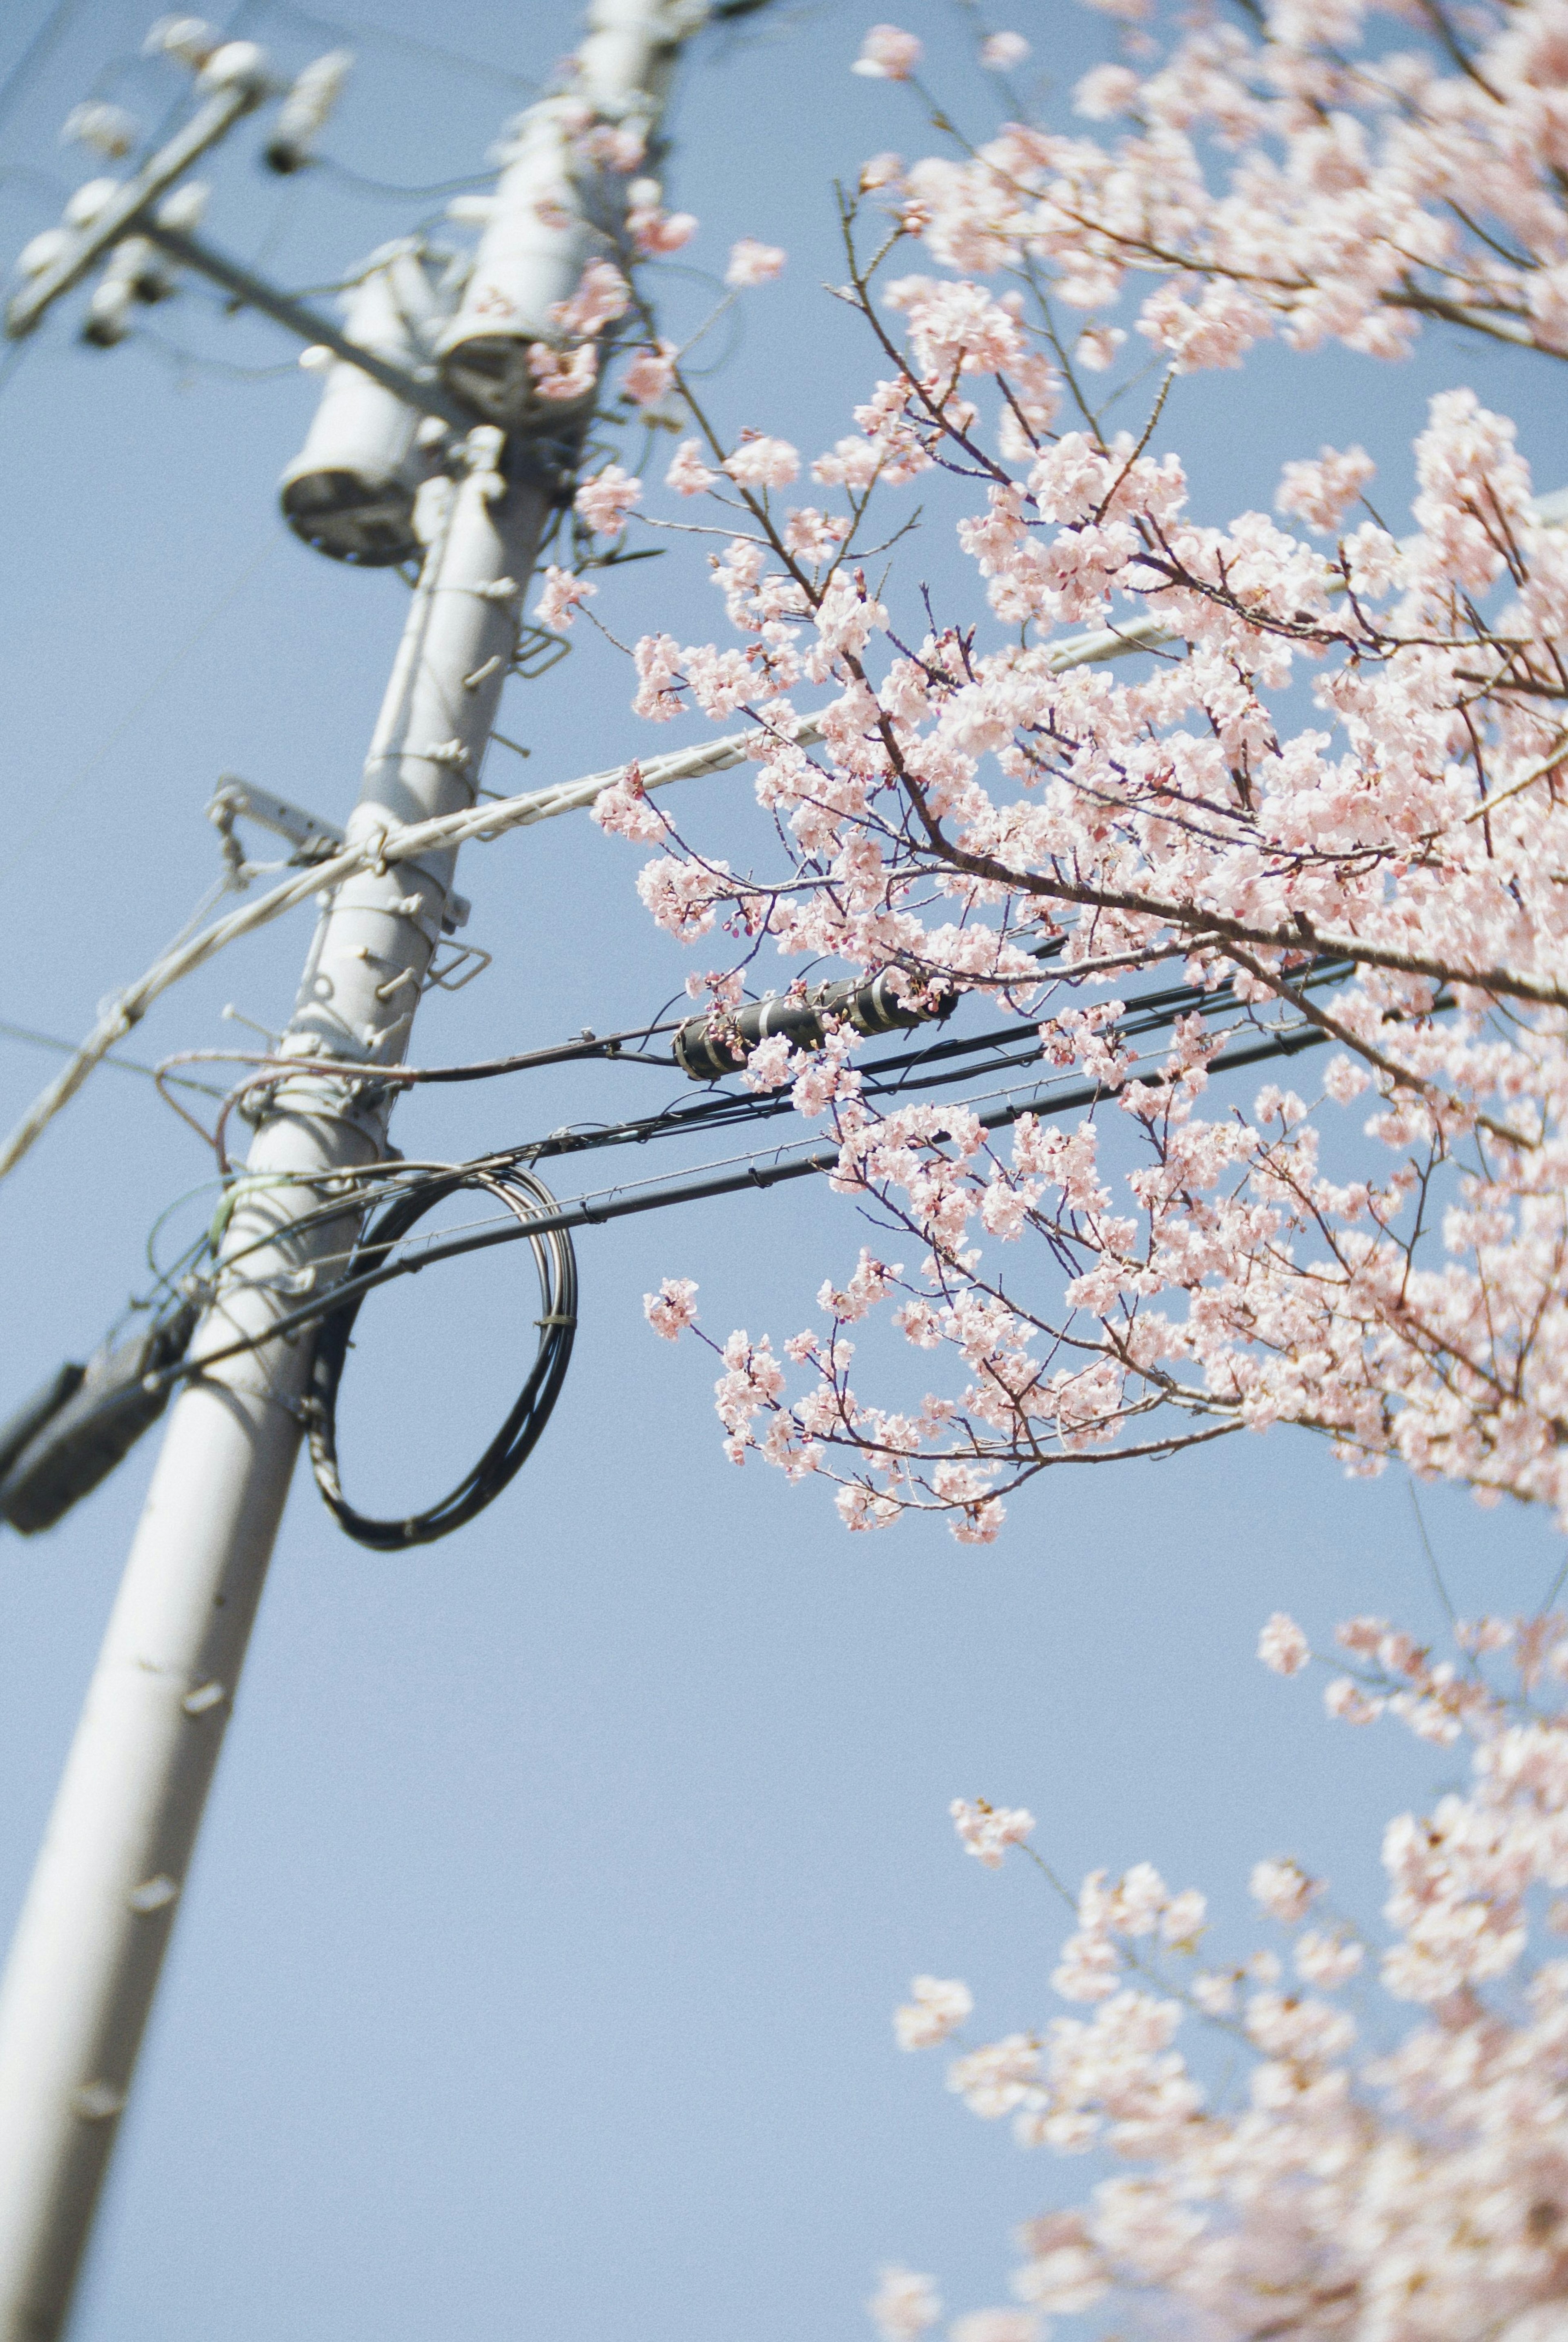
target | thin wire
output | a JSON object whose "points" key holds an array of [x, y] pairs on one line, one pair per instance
{"points": [[125, 1065], [358, 179], [50, 32], [358, 30], [10, 362], [139, 706], [766, 1169], [195, 362]]}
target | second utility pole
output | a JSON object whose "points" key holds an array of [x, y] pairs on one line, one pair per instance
{"points": [[91, 1940]]}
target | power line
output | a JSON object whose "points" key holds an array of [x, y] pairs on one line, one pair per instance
{"points": [[588, 1211], [357, 29], [123, 1065], [140, 705], [36, 54]]}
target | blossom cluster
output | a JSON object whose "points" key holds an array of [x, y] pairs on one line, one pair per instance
{"points": [[1410, 2188], [1280, 174], [984, 807]]}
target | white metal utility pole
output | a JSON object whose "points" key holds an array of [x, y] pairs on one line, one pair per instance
{"points": [[90, 1941]]}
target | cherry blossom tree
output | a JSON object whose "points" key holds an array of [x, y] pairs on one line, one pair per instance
{"points": [[971, 800], [1356, 2180]]}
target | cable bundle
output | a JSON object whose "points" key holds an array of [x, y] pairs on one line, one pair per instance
{"points": [[527, 1199]]}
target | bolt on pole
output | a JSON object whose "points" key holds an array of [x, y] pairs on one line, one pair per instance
{"points": [[91, 1940]]}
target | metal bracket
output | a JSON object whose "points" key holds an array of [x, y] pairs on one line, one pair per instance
{"points": [[446, 979], [313, 839], [537, 651]]}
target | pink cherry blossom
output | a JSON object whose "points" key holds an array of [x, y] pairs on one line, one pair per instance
{"points": [[987, 1831], [1321, 491], [904, 2305], [602, 296], [761, 462], [560, 597], [1284, 1889], [1282, 1646], [751, 263], [648, 377], [688, 475], [888, 55], [656, 232], [672, 1308], [1097, 347], [934, 2012], [605, 499]]}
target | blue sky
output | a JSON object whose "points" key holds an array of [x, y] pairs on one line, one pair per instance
{"points": [[535, 1974]]}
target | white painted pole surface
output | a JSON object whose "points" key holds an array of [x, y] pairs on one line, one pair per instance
{"points": [[90, 1943]]}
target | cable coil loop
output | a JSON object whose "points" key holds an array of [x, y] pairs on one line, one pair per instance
{"points": [[527, 1199]]}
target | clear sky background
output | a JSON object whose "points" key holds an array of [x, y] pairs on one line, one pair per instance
{"points": [[535, 1974]]}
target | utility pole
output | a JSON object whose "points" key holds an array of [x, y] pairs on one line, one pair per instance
{"points": [[90, 1943]]}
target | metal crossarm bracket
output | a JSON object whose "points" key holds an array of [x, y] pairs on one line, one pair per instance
{"points": [[129, 211], [313, 839]]}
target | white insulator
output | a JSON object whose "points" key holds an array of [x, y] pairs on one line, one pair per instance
{"points": [[530, 256], [238, 65], [108, 313], [108, 129], [350, 491], [89, 200], [44, 251], [136, 272], [304, 113], [187, 207], [189, 38]]}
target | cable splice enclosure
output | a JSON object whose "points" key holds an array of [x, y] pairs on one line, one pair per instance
{"points": [[719, 1042], [86, 1421]]}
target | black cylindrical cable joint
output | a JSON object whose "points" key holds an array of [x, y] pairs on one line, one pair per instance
{"points": [[71, 1434], [721, 1041]]}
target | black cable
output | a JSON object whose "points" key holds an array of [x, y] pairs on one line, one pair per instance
{"points": [[538, 1220], [1289, 1042], [884, 1076], [357, 179]]}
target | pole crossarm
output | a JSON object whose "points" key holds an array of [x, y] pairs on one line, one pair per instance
{"points": [[255, 293], [129, 211]]}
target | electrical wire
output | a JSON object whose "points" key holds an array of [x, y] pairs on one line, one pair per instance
{"points": [[121, 1064], [357, 29], [364, 186], [595, 1210], [887, 1077], [536, 1218], [36, 54], [143, 700]]}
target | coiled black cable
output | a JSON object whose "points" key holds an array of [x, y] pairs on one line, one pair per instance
{"points": [[527, 1198]]}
